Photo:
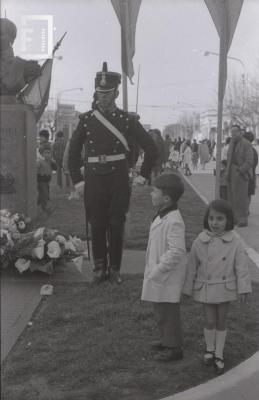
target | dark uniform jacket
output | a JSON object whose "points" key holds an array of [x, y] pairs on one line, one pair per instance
{"points": [[99, 140]]}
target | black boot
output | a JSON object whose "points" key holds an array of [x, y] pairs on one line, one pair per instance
{"points": [[116, 232], [99, 249]]}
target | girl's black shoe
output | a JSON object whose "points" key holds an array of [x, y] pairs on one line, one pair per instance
{"points": [[219, 365], [208, 357]]}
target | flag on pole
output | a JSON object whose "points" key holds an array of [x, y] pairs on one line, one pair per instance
{"points": [[225, 14], [36, 93], [127, 13]]}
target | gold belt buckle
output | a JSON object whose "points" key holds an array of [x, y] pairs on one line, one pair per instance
{"points": [[102, 159]]}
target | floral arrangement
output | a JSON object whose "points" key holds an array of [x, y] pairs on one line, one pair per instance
{"points": [[41, 249]]}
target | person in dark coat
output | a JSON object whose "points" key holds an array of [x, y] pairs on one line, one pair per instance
{"points": [[108, 135], [239, 171], [252, 181]]}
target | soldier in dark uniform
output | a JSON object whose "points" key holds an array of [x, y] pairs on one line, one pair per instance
{"points": [[109, 136]]}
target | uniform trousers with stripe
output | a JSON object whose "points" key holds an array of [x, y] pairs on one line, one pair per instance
{"points": [[169, 324]]}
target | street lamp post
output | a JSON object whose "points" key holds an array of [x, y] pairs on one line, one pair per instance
{"points": [[58, 101]]}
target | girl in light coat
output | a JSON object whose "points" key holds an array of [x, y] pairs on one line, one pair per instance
{"points": [[166, 265], [217, 272]]}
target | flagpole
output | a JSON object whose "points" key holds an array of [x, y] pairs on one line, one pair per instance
{"points": [[221, 91], [125, 91], [137, 89]]}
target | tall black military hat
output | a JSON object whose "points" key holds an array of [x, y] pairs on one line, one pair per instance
{"points": [[106, 80]]}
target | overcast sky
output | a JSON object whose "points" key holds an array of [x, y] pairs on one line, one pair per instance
{"points": [[171, 38]]}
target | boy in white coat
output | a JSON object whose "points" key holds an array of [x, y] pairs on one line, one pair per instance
{"points": [[165, 265]]}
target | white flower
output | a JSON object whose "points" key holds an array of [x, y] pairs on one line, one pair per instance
{"points": [[4, 222], [12, 227], [5, 213], [15, 217], [38, 252], [60, 239], [22, 265], [21, 225], [54, 250], [70, 246], [38, 234]]}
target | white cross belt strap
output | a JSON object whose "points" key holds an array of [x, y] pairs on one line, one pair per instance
{"points": [[111, 128]]}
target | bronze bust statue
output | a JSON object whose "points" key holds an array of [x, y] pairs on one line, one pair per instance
{"points": [[15, 72]]}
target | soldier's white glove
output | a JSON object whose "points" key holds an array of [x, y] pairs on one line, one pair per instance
{"points": [[139, 181], [79, 188]]}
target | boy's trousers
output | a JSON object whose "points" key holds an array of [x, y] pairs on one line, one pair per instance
{"points": [[43, 194], [169, 323]]}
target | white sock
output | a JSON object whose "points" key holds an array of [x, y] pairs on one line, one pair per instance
{"points": [[210, 335], [220, 343]]}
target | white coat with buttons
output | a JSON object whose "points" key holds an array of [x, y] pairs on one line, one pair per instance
{"points": [[217, 268], [165, 259]]}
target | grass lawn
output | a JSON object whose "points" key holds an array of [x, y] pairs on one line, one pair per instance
{"points": [[69, 215], [91, 343]]}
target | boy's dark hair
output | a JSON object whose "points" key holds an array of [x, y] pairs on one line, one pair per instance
{"points": [[171, 185], [221, 206], [44, 133]]}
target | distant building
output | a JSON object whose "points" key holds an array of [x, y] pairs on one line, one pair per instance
{"points": [[208, 124], [176, 130]]}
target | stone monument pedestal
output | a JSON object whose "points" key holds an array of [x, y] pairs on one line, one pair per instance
{"points": [[18, 181]]}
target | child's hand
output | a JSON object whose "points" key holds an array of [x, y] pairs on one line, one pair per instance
{"points": [[243, 298], [79, 188]]}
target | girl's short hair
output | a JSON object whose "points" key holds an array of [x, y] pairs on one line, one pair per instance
{"points": [[221, 206]]}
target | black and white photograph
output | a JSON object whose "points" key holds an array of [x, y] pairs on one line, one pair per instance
{"points": [[129, 199]]}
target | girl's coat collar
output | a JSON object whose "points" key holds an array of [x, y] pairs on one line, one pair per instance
{"points": [[206, 236]]}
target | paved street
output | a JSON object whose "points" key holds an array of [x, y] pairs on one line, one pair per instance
{"points": [[20, 295]]}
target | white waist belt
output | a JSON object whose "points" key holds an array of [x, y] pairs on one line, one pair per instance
{"points": [[102, 159]]}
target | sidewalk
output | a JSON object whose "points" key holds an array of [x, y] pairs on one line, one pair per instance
{"points": [[20, 295]]}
